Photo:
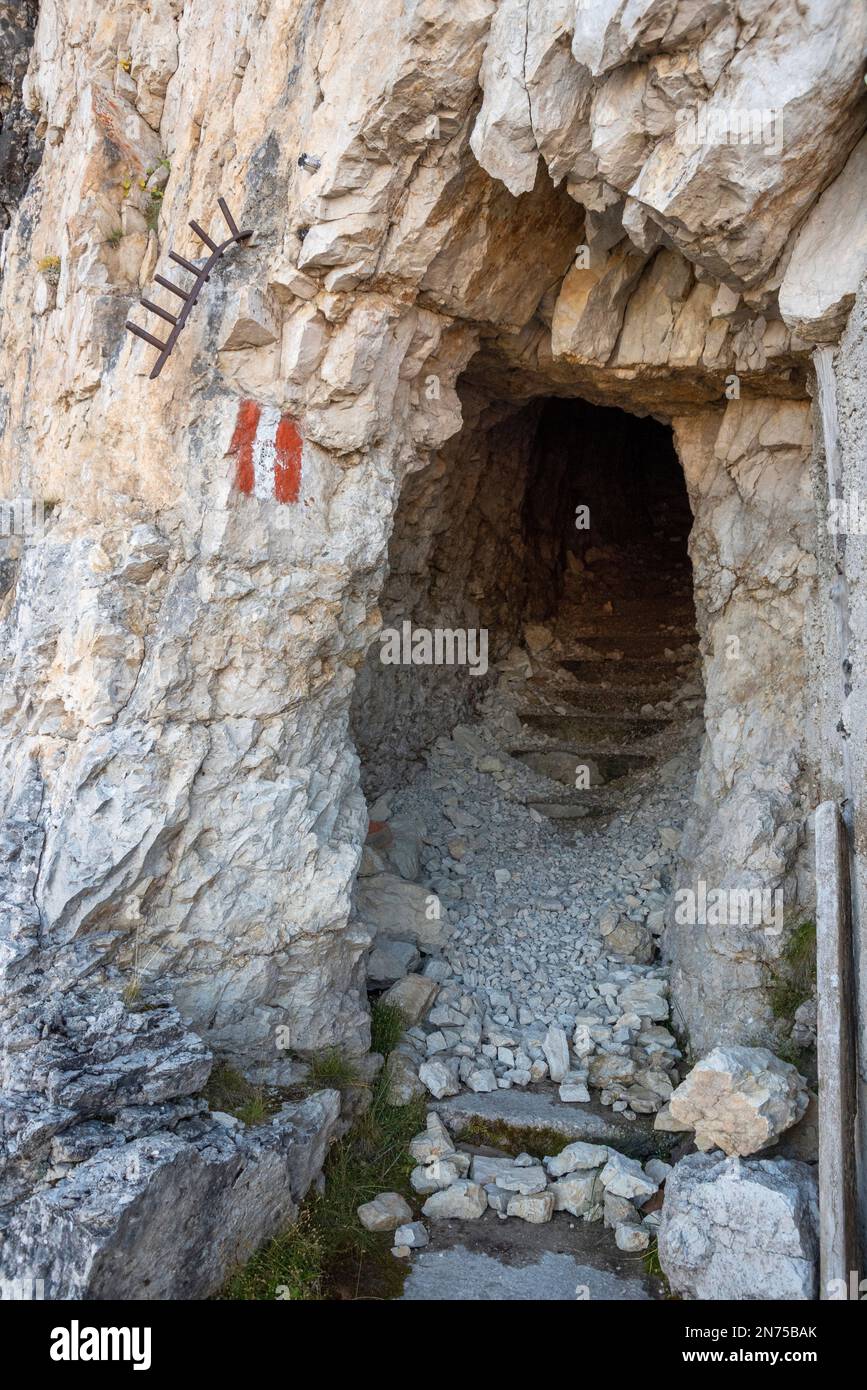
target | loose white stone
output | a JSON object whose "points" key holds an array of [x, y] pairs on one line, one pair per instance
{"points": [[414, 1235], [524, 1180], [631, 1238], [657, 1170], [740, 1099], [464, 1200], [556, 1048], [385, 1213], [440, 1078], [578, 1192], [577, 1155], [574, 1090], [537, 1208], [623, 1177]]}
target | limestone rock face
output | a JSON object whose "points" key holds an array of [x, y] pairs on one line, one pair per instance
{"points": [[678, 114], [735, 1229], [511, 186], [96, 1055], [200, 1199], [829, 257], [740, 1099], [198, 670], [753, 547]]}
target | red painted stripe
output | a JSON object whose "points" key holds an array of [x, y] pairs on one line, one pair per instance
{"points": [[242, 444], [287, 464]]}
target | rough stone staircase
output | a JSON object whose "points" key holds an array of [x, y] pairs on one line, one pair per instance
{"points": [[638, 651]]}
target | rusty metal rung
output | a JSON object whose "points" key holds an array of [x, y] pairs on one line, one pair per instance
{"points": [[187, 265], [230, 221], [167, 285], [203, 236], [156, 309], [202, 276], [142, 333]]}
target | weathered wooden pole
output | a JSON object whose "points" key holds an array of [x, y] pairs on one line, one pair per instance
{"points": [[838, 1209]]}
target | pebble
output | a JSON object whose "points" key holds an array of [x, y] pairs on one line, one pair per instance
{"points": [[631, 1238], [412, 1236]]}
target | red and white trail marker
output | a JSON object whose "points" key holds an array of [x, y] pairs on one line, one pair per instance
{"points": [[267, 447]]}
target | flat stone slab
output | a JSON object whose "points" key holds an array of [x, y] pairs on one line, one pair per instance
{"points": [[533, 1110], [492, 1260]]}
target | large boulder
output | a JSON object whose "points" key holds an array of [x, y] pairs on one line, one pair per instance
{"points": [[392, 907], [736, 1229], [413, 995], [740, 1099]]}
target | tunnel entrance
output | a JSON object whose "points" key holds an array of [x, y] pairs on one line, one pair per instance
{"points": [[557, 527], [525, 812]]}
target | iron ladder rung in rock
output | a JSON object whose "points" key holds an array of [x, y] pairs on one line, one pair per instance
{"points": [[190, 297]]}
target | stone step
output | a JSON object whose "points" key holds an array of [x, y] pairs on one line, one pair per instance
{"points": [[639, 648], [620, 730], [519, 1114], [632, 673], [490, 1260]]}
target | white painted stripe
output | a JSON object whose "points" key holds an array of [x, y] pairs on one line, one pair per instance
{"points": [[264, 454]]}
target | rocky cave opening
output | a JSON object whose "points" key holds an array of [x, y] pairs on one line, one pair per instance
{"points": [[521, 791], [549, 531]]}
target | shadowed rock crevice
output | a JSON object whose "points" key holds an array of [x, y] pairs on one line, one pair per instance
{"points": [[20, 151]]}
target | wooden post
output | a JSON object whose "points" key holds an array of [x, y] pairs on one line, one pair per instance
{"points": [[838, 1227]]}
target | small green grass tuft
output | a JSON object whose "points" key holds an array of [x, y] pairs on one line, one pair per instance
{"points": [[231, 1092], [286, 1268], [115, 238], [539, 1143], [387, 1026], [331, 1070]]}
